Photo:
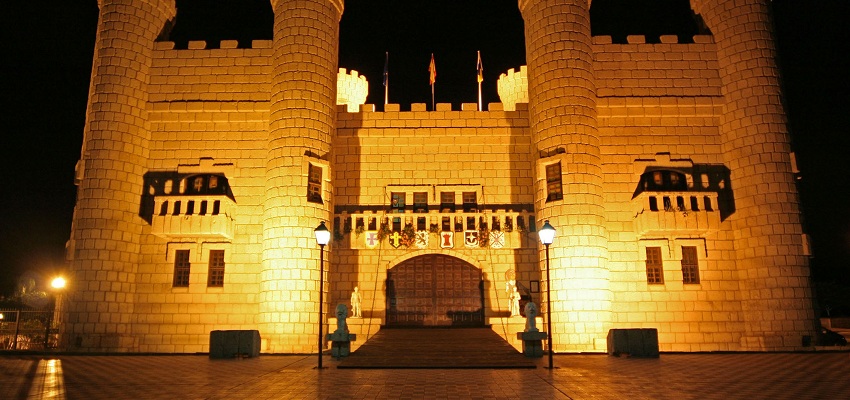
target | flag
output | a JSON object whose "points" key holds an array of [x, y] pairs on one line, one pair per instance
{"points": [[386, 70], [432, 70], [480, 68]]}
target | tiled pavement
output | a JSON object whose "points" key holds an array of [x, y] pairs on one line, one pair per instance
{"points": [[822, 375]]}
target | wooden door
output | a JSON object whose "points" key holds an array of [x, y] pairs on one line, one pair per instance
{"points": [[435, 290]]}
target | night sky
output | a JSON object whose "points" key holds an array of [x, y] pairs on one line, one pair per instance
{"points": [[47, 48]]}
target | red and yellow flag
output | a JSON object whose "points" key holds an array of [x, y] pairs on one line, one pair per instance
{"points": [[432, 70]]}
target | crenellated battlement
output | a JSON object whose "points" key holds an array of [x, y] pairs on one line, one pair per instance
{"points": [[351, 89], [205, 45], [513, 87]]}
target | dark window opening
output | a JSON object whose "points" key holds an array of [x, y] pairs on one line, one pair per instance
{"points": [[216, 269], [163, 209], [420, 223], [203, 210], [690, 265], [397, 200], [181, 268], [447, 202], [654, 266], [216, 207], [176, 208], [420, 202], [447, 224], [470, 202], [314, 184], [554, 187]]}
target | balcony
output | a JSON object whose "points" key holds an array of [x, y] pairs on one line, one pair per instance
{"points": [[434, 230], [665, 214], [194, 217]]}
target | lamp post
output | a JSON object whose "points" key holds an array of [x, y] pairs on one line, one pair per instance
{"points": [[57, 285], [323, 236], [547, 234]]}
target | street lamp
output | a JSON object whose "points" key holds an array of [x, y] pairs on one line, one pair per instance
{"points": [[323, 236], [57, 285], [547, 234]]}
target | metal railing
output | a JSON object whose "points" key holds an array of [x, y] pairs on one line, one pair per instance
{"points": [[28, 330]]}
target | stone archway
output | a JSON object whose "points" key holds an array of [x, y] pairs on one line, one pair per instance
{"points": [[435, 290]]}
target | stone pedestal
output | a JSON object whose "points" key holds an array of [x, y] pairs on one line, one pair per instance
{"points": [[341, 343], [365, 328], [509, 327], [532, 343]]}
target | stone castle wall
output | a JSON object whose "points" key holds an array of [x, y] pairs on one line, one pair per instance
{"points": [[210, 111]]}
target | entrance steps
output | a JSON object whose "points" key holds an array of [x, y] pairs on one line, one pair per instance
{"points": [[449, 348]]}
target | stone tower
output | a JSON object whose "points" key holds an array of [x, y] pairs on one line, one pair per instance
{"points": [[105, 238], [766, 224], [302, 120], [562, 112]]}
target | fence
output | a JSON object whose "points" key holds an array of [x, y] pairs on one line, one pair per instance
{"points": [[28, 330]]}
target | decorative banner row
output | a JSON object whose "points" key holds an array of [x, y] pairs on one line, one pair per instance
{"points": [[420, 239]]}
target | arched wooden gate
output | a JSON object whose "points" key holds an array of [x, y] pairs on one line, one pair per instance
{"points": [[435, 290]]}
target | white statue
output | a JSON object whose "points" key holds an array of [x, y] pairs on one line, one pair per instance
{"points": [[341, 314], [530, 317], [356, 299], [510, 285], [514, 305]]}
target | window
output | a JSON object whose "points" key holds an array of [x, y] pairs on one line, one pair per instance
{"points": [[447, 201], [198, 184], [654, 268], [213, 182], [181, 268], [314, 184], [470, 203], [398, 202], [554, 189], [216, 269], [661, 180], [690, 265], [420, 202]]}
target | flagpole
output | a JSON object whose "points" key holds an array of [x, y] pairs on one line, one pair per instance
{"points": [[480, 77], [387, 79]]}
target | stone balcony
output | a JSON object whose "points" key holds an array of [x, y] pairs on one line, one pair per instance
{"points": [[665, 214], [494, 229], [194, 217]]}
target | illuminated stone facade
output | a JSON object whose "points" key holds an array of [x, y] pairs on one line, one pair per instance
{"points": [[665, 168]]}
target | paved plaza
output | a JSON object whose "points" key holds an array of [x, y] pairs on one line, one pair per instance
{"points": [[821, 375]]}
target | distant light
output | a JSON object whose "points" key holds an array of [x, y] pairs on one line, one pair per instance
{"points": [[323, 235], [546, 233], [58, 283]]}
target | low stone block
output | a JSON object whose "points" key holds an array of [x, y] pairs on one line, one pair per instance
{"points": [[532, 343]]}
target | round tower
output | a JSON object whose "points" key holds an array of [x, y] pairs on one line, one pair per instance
{"points": [[107, 226], [768, 235], [298, 187], [562, 109]]}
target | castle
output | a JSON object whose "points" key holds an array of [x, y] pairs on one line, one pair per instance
{"points": [[665, 168]]}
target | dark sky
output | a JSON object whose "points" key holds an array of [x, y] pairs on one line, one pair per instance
{"points": [[47, 48]]}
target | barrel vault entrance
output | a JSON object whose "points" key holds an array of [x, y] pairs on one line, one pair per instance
{"points": [[435, 290]]}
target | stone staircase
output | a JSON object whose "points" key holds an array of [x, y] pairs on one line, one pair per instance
{"points": [[436, 348]]}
